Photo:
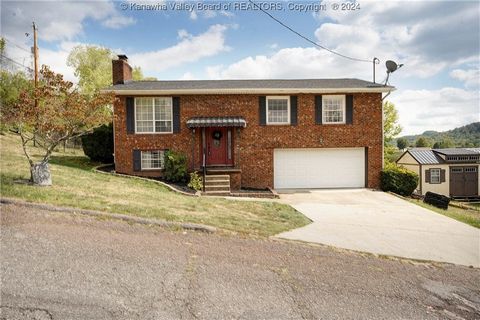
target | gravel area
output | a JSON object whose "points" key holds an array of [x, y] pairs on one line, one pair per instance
{"points": [[64, 266]]}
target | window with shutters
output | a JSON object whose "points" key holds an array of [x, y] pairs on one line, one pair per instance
{"points": [[152, 160], [153, 115], [333, 109], [278, 110], [434, 175]]}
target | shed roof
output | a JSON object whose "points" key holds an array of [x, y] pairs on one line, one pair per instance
{"points": [[456, 151], [425, 156]]}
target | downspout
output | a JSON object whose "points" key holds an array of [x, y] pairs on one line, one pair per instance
{"points": [[420, 180], [383, 132], [204, 173]]}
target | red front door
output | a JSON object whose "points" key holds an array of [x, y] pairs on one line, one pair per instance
{"points": [[217, 143]]}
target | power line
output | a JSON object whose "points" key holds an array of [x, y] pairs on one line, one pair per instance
{"points": [[18, 46], [16, 62], [306, 38]]}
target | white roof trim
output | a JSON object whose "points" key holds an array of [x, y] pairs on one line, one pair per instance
{"points": [[249, 90]]}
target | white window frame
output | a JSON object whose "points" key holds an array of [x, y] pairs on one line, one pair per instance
{"points": [[162, 162], [431, 176], [153, 121], [344, 110], [288, 109]]}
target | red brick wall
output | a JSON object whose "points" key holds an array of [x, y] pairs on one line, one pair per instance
{"points": [[121, 71], [254, 147]]}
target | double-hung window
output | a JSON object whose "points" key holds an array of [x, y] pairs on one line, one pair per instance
{"points": [[153, 160], [434, 175], [278, 110], [333, 109], [153, 115]]}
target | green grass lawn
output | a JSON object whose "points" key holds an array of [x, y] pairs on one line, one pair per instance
{"points": [[468, 216], [75, 184]]}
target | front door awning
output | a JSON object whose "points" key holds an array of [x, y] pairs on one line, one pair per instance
{"points": [[202, 122]]}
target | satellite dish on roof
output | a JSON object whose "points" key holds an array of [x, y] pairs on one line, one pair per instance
{"points": [[391, 66]]}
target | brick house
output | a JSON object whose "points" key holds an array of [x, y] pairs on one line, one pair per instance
{"points": [[309, 133]]}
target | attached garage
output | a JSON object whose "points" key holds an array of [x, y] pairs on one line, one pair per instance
{"points": [[319, 168]]}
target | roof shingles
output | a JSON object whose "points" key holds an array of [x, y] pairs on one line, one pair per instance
{"points": [[249, 84]]}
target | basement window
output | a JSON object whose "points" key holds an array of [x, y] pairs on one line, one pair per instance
{"points": [[153, 159]]}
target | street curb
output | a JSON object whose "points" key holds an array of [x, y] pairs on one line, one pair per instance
{"points": [[97, 170], [116, 216]]}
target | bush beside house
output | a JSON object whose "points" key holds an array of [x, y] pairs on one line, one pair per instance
{"points": [[398, 180], [98, 145], [175, 167]]}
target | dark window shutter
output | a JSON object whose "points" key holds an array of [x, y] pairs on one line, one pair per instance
{"points": [[427, 175], [176, 114], [442, 175], [137, 160], [318, 109], [293, 110], [349, 109], [262, 110], [130, 104]]}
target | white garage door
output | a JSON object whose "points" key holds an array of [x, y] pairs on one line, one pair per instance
{"points": [[319, 168]]}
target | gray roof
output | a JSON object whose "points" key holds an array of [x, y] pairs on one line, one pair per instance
{"points": [[456, 151], [476, 150], [425, 156], [216, 122], [249, 84]]}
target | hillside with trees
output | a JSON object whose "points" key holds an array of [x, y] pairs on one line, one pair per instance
{"points": [[466, 136]]}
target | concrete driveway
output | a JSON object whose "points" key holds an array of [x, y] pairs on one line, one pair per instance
{"points": [[377, 222]]}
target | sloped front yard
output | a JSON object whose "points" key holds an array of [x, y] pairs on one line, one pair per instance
{"points": [[76, 185]]}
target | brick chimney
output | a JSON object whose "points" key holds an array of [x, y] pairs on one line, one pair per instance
{"points": [[121, 70]]}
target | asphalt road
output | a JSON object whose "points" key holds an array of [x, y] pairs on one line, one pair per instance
{"points": [[63, 266]]}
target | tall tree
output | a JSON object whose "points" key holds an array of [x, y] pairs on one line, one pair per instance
{"points": [[402, 143], [62, 113], [423, 142], [446, 142], [93, 67], [391, 128]]}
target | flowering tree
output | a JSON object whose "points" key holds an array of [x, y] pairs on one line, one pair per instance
{"points": [[61, 113]]}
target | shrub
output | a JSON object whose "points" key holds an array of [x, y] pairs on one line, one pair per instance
{"points": [[98, 145], [398, 180], [196, 181], [175, 167]]}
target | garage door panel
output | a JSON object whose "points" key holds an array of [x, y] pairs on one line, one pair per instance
{"points": [[319, 168]]}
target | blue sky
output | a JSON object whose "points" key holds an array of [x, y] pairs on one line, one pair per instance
{"points": [[438, 41]]}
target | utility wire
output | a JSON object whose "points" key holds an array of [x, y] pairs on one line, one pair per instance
{"points": [[16, 62], [306, 38], [18, 46]]}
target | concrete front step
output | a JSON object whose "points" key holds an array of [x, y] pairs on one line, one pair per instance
{"points": [[217, 193], [211, 177], [217, 186], [217, 182]]}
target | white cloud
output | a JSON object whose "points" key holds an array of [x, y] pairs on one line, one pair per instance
{"points": [[439, 110], [57, 20], [193, 15], [289, 63], [470, 78], [208, 14], [118, 22], [227, 14], [57, 59], [189, 49], [187, 76]]}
